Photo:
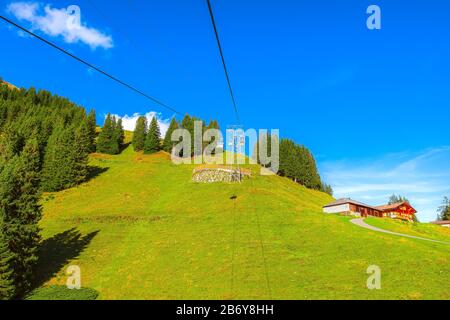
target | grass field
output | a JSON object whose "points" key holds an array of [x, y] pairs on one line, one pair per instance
{"points": [[425, 230], [140, 229]]}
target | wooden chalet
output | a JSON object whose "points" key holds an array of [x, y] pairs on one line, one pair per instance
{"points": [[402, 210]]}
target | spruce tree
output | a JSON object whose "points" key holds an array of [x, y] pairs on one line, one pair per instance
{"points": [[212, 125], [327, 189], [50, 168], [396, 199], [59, 169], [188, 124], [21, 212], [7, 287], [29, 213], [139, 134], [297, 163], [106, 142], [91, 127], [168, 144], [119, 134], [153, 139], [444, 210], [80, 152]]}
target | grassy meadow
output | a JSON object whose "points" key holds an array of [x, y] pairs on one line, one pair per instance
{"points": [[140, 229], [424, 230]]}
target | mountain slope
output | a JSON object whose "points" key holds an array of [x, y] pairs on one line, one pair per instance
{"points": [[141, 229]]}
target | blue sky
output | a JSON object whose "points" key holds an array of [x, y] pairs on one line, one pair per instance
{"points": [[372, 105]]}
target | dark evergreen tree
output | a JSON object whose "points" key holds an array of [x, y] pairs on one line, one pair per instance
{"points": [[91, 127], [153, 139], [21, 212], [167, 143], [60, 168], [139, 134], [188, 124], [26, 240], [7, 287], [107, 140], [40, 115], [42, 137], [286, 159], [81, 148], [119, 134], [327, 189], [444, 210], [396, 199], [213, 124], [297, 163]]}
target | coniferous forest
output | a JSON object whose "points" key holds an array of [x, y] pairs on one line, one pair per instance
{"points": [[44, 145]]}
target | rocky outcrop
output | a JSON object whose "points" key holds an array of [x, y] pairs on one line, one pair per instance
{"points": [[209, 175]]}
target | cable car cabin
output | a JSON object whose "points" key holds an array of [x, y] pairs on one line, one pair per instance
{"points": [[400, 210]]}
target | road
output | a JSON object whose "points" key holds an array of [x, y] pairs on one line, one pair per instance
{"points": [[360, 222]]}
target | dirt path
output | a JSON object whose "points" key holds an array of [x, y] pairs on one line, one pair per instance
{"points": [[360, 222]]}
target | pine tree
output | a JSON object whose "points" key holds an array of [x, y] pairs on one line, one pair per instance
{"points": [[188, 124], [153, 139], [7, 287], [396, 199], [21, 212], [29, 212], [444, 210], [80, 152], [139, 134], [60, 167], [91, 127], [297, 163], [168, 144], [119, 134], [50, 168], [286, 158], [213, 124], [106, 140], [327, 189]]}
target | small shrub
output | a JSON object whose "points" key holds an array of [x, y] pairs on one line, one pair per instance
{"points": [[58, 292]]}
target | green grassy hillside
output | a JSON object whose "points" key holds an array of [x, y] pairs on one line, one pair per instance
{"points": [[140, 229], [424, 230]]}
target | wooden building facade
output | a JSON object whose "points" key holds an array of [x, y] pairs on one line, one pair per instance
{"points": [[402, 210]]}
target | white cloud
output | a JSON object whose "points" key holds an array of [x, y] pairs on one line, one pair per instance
{"points": [[424, 178], [58, 22], [129, 122]]}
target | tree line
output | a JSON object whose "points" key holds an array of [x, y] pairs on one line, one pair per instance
{"points": [[296, 162], [44, 145], [147, 138], [112, 136]]}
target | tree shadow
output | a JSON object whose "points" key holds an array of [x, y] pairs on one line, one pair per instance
{"points": [[55, 252], [124, 146], [95, 171]]}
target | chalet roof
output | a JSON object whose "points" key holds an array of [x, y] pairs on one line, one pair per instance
{"points": [[348, 200], [441, 222], [394, 206]]}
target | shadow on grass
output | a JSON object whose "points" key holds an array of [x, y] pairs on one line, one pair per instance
{"points": [[124, 146], [95, 171], [57, 251]]}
